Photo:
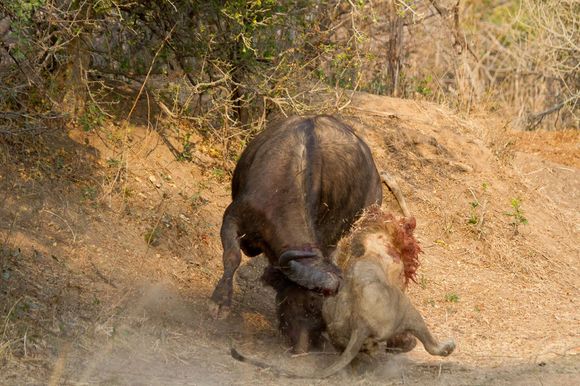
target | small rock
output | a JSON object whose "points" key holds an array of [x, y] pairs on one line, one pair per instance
{"points": [[461, 166], [153, 180]]}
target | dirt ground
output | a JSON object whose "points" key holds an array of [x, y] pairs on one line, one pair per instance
{"points": [[110, 249]]}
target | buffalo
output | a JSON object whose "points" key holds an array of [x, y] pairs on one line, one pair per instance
{"points": [[297, 187]]}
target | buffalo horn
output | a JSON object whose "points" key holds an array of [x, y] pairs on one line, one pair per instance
{"points": [[311, 278], [294, 254]]}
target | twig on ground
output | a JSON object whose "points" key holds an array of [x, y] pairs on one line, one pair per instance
{"points": [[66, 222], [7, 318]]}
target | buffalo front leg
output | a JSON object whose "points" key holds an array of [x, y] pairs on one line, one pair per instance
{"points": [[221, 299]]}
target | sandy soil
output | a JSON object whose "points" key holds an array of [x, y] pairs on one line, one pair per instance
{"points": [[110, 249]]}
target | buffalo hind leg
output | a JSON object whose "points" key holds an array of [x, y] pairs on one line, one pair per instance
{"points": [[416, 326], [221, 299]]}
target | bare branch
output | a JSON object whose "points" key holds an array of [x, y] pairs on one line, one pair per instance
{"points": [[535, 119]]}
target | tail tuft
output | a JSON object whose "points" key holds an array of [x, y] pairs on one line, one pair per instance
{"points": [[236, 355]]}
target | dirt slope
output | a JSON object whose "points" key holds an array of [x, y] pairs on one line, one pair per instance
{"points": [[109, 255]]}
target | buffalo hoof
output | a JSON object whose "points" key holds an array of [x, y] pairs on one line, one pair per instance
{"points": [[302, 344], [218, 311], [221, 299]]}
